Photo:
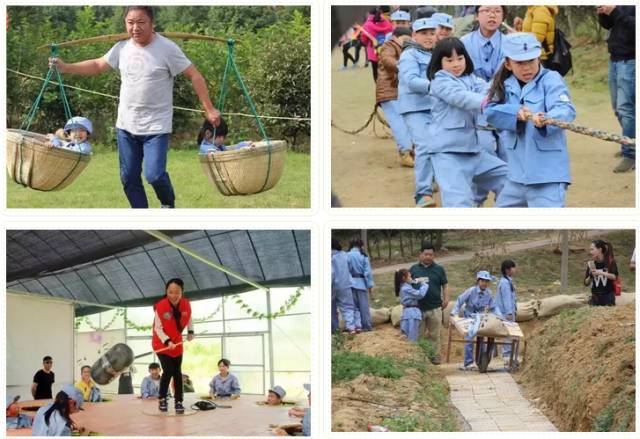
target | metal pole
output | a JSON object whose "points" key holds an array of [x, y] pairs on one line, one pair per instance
{"points": [[173, 243], [270, 329], [564, 263]]}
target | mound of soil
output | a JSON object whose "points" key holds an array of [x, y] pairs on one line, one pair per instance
{"points": [[421, 392], [580, 367]]}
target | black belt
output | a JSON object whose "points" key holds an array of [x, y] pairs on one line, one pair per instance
{"points": [[358, 276], [410, 306]]}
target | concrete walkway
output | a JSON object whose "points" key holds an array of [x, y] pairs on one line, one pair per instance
{"points": [[493, 402]]}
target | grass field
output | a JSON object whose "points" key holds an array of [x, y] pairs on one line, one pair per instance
{"points": [[538, 270], [99, 186]]}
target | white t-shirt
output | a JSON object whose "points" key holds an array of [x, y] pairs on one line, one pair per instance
{"points": [[146, 90]]}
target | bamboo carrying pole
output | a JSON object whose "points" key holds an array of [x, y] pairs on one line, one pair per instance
{"points": [[126, 36]]}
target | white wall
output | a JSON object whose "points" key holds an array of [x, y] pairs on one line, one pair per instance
{"points": [[37, 327]]}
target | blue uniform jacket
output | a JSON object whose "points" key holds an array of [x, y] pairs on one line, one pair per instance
{"points": [[148, 388], [475, 300], [360, 270], [413, 85], [506, 297], [340, 276], [484, 66], [409, 296], [57, 424], [456, 104], [224, 387], [535, 155]]}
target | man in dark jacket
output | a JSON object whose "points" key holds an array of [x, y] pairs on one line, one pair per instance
{"points": [[621, 41]]}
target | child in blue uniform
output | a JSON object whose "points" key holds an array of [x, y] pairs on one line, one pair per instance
{"points": [[341, 295], [409, 296], [506, 301], [362, 285], [211, 139], [460, 164], [225, 384], [150, 387], [14, 418], [444, 25], [74, 136], [538, 159], [414, 103], [54, 419], [477, 299]]}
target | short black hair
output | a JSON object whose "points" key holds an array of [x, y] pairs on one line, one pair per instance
{"points": [[506, 265], [175, 280], [400, 31], [446, 47], [147, 10], [83, 367], [427, 245], [335, 244], [221, 130], [46, 358], [225, 362], [425, 12], [154, 366]]}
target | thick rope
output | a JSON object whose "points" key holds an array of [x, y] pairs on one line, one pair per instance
{"points": [[26, 75], [591, 132], [372, 118]]}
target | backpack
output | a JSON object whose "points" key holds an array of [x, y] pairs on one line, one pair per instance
{"points": [[560, 59]]}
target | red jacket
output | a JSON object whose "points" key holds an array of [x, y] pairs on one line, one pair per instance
{"points": [[165, 326]]}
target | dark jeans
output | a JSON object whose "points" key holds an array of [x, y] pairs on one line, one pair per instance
{"points": [[346, 56], [622, 86], [171, 368], [133, 149], [606, 299], [374, 69]]}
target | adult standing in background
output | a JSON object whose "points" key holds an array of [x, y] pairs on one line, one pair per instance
{"points": [[437, 297], [540, 21], [43, 380], [620, 21], [362, 286], [148, 64]]}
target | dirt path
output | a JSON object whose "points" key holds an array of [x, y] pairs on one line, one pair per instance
{"points": [[365, 170], [493, 402], [517, 246]]}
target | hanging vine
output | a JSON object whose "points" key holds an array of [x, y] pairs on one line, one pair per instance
{"points": [[289, 303]]}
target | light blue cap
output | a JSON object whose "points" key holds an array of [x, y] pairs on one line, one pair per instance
{"points": [[78, 122], [423, 23], [74, 394], [400, 15], [278, 391], [521, 46], [483, 274], [443, 19]]}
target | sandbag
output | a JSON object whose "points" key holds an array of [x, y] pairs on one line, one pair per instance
{"points": [[115, 361], [625, 299], [492, 326], [379, 316], [550, 306], [527, 310], [396, 315]]}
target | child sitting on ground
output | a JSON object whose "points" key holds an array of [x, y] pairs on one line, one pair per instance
{"points": [[73, 136], [150, 387], [14, 418], [211, 139]]}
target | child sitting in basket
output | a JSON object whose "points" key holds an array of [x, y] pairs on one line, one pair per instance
{"points": [[73, 136], [212, 139]]}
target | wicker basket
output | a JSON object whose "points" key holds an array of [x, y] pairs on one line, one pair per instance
{"points": [[31, 163], [244, 171]]}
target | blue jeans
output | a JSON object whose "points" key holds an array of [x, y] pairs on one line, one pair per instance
{"points": [[153, 149], [622, 86]]}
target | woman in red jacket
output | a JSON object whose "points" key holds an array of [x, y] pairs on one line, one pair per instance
{"points": [[172, 315]]}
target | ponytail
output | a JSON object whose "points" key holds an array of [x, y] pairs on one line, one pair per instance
{"points": [[61, 404], [399, 279], [607, 252], [496, 91], [357, 242]]}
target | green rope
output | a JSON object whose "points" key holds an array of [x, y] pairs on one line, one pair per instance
{"points": [[231, 65], [26, 124]]}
